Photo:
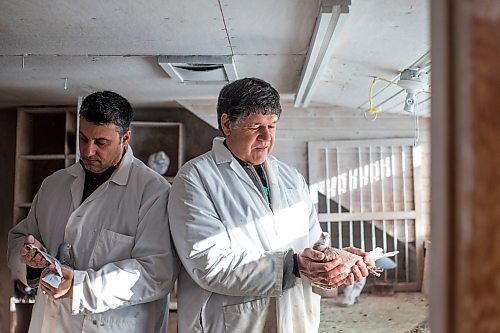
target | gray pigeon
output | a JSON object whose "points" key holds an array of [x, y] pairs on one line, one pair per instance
{"points": [[65, 256], [323, 245]]}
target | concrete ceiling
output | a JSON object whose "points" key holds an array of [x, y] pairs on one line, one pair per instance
{"points": [[53, 51]]}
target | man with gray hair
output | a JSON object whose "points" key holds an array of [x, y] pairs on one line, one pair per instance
{"points": [[243, 225]]}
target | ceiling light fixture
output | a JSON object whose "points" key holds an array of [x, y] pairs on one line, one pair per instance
{"points": [[414, 81], [325, 32]]}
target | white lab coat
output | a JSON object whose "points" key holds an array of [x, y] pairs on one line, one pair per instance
{"points": [[232, 247], [124, 262]]}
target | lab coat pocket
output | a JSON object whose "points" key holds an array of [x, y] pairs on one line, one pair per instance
{"points": [[248, 317], [111, 247]]}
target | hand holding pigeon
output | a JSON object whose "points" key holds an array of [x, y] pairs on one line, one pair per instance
{"points": [[349, 258]]}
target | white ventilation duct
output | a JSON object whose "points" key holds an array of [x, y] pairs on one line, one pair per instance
{"points": [[199, 69]]}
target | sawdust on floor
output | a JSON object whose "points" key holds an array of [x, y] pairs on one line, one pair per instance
{"points": [[399, 313]]}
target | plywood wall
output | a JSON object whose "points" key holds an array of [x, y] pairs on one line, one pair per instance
{"points": [[299, 126]]}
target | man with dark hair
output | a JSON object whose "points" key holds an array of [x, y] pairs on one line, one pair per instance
{"points": [[109, 212], [107, 107], [244, 225]]}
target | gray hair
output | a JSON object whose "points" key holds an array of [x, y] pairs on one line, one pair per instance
{"points": [[247, 96]]}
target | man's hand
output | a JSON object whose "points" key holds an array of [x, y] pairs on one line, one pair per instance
{"points": [[31, 256], [65, 289], [359, 270], [329, 274]]}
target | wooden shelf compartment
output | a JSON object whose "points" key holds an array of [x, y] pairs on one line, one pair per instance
{"points": [[42, 133], [30, 174], [152, 137]]}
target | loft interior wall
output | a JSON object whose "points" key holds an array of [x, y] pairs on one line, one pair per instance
{"points": [[7, 157], [198, 134], [297, 126]]}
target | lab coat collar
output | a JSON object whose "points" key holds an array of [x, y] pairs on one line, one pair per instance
{"points": [[272, 178], [120, 176], [224, 155]]}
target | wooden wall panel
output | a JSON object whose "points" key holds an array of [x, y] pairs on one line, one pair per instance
{"points": [[291, 143], [7, 161]]}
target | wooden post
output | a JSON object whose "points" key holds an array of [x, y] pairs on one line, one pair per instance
{"points": [[465, 166]]}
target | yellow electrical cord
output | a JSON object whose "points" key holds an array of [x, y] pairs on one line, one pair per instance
{"points": [[375, 111], [371, 109]]}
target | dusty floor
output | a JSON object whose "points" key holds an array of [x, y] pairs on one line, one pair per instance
{"points": [[399, 313]]}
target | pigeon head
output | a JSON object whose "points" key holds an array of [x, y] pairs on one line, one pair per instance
{"points": [[323, 242], [64, 254], [324, 238]]}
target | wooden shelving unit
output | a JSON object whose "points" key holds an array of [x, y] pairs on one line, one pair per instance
{"points": [[150, 137], [45, 143]]}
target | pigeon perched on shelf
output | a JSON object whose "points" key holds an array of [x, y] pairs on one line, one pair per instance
{"points": [[348, 258]]}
